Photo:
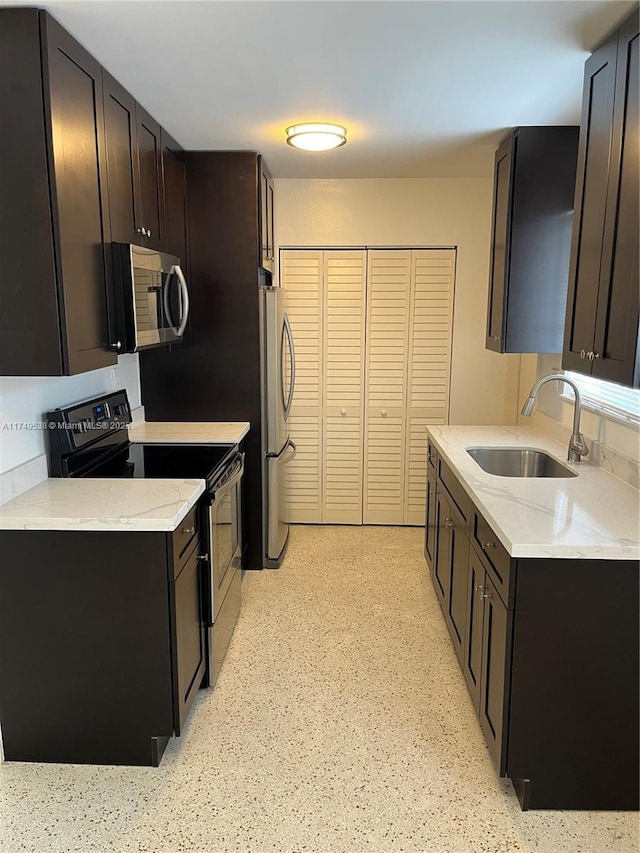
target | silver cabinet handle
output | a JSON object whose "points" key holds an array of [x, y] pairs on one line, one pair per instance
{"points": [[448, 523], [343, 412], [116, 346], [383, 412], [203, 557], [583, 353], [479, 588], [484, 545], [189, 530]]}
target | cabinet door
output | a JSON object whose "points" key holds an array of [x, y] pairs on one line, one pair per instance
{"points": [[150, 171], [267, 244], [174, 197], [494, 693], [442, 562], [458, 583], [589, 210], [74, 98], [500, 231], [472, 657], [430, 520], [190, 640], [616, 335], [122, 161]]}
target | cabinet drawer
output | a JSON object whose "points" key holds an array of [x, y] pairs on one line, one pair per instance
{"points": [[183, 536], [456, 492], [495, 556]]}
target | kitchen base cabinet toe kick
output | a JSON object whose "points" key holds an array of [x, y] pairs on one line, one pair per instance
{"points": [[102, 644], [549, 649]]}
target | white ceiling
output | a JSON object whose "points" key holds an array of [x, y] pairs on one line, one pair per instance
{"points": [[426, 89]]}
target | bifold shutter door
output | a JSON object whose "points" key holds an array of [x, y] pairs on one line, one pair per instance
{"points": [[301, 275], [429, 334], [373, 332], [388, 300], [344, 315]]}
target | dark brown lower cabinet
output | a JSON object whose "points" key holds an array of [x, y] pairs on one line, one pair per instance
{"points": [[188, 629], [549, 650], [458, 551], [451, 566], [496, 646], [430, 518], [102, 644], [472, 660]]}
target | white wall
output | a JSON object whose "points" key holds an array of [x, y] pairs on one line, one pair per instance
{"points": [[24, 400], [417, 212]]}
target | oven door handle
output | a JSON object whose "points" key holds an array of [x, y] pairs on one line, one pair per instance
{"points": [[234, 477]]}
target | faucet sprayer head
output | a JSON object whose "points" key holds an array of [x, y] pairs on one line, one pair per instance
{"points": [[528, 407]]}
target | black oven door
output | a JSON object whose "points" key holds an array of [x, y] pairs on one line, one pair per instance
{"points": [[225, 533]]}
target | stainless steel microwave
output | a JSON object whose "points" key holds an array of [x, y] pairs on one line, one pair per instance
{"points": [[151, 298]]}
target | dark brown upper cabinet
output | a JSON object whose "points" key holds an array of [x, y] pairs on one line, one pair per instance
{"points": [[601, 333], [267, 229], [150, 166], [134, 169], [534, 183], [54, 215], [175, 200]]}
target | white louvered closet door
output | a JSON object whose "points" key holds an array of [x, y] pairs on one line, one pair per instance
{"points": [[429, 332], [344, 347], [388, 300], [373, 341], [301, 274]]}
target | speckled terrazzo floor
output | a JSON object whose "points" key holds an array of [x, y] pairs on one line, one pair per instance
{"points": [[340, 723]]}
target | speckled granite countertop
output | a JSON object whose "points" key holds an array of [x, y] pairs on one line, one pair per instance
{"points": [[149, 432], [102, 504], [593, 515]]}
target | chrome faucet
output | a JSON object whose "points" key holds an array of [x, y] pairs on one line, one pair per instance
{"points": [[577, 444]]}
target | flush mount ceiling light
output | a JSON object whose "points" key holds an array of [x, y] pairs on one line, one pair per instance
{"points": [[317, 136]]}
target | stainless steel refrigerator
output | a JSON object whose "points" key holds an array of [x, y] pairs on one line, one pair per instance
{"points": [[278, 376]]}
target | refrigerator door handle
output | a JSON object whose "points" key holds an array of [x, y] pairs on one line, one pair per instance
{"points": [[289, 457], [287, 405]]}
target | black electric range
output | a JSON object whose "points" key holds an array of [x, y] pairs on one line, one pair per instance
{"points": [[91, 439]]}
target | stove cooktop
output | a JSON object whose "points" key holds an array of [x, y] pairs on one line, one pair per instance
{"points": [[177, 461]]}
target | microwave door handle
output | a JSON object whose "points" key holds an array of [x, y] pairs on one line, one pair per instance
{"points": [[185, 298], [165, 299]]}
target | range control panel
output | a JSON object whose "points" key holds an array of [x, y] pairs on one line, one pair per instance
{"points": [[74, 426]]}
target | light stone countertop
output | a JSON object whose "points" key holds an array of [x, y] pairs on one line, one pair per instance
{"points": [[160, 432], [591, 516], [102, 504]]}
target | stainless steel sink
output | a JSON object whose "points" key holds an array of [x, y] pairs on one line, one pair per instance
{"points": [[518, 462]]}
